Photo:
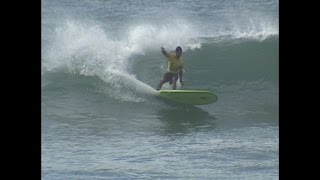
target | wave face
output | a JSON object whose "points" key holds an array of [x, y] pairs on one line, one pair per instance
{"points": [[222, 41]]}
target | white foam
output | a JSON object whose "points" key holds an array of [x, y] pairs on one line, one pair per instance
{"points": [[170, 35], [87, 50]]}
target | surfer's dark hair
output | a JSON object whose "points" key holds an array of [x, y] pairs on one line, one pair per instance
{"points": [[179, 49]]}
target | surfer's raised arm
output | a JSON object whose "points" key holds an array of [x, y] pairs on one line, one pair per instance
{"points": [[164, 52]]}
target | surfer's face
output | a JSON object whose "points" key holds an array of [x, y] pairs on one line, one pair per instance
{"points": [[178, 53]]}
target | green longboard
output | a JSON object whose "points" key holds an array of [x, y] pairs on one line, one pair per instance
{"points": [[193, 97]]}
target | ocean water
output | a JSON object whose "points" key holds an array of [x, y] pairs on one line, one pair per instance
{"points": [[101, 63]]}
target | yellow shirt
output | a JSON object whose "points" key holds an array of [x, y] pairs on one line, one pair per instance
{"points": [[174, 64]]}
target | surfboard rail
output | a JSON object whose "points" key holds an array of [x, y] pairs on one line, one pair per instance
{"points": [[192, 97]]}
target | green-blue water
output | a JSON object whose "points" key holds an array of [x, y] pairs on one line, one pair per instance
{"points": [[101, 61]]}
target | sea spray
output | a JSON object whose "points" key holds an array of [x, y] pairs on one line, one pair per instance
{"points": [[87, 50]]}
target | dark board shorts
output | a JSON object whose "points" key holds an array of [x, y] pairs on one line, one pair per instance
{"points": [[168, 76]]}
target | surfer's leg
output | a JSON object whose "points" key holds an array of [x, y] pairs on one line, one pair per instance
{"points": [[160, 85], [167, 77], [174, 81]]}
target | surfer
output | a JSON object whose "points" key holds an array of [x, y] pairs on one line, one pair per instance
{"points": [[174, 67]]}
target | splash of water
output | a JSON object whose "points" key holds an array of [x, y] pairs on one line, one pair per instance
{"points": [[89, 51]]}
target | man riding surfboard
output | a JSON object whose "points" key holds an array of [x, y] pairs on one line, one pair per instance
{"points": [[174, 68]]}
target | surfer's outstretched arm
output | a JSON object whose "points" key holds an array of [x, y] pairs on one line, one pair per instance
{"points": [[164, 52]]}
